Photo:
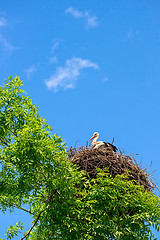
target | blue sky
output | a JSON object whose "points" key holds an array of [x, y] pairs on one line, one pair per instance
{"points": [[89, 66]]}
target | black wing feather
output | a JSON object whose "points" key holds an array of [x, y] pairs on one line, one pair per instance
{"points": [[111, 146]]}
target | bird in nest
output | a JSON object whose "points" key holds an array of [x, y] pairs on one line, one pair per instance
{"points": [[100, 144]]}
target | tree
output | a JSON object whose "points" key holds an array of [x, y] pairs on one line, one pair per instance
{"points": [[37, 177]]}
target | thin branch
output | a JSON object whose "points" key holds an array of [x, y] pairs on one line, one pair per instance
{"points": [[21, 208], [13, 133], [4, 143], [33, 225], [42, 174], [20, 232]]}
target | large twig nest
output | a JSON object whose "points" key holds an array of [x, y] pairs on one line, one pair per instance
{"points": [[89, 159]]}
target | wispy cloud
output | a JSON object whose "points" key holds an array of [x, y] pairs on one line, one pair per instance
{"points": [[91, 21], [75, 13], [53, 57], [132, 34], [30, 71], [66, 77], [105, 80], [54, 46], [6, 45], [3, 22]]}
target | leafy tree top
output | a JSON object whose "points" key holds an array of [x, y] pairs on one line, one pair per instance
{"points": [[37, 177]]}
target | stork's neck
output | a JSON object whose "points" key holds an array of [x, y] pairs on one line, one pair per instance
{"points": [[94, 141]]}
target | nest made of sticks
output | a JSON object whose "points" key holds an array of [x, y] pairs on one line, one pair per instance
{"points": [[89, 159]]}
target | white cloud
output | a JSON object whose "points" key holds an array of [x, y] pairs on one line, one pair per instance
{"points": [[53, 59], [65, 77], [54, 46], [3, 22], [105, 80], [91, 21], [132, 34], [6, 45], [30, 71], [75, 13]]}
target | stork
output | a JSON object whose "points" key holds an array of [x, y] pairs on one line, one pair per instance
{"points": [[99, 144]]}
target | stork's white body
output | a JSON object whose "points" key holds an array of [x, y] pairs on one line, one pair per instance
{"points": [[96, 144], [99, 144]]}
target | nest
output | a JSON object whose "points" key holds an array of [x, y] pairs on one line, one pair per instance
{"points": [[89, 159]]}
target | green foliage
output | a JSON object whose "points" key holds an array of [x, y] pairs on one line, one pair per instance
{"points": [[37, 177], [14, 230], [119, 209]]}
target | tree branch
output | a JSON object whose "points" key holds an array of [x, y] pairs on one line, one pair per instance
{"points": [[33, 225], [13, 133], [42, 174], [21, 208], [4, 143]]}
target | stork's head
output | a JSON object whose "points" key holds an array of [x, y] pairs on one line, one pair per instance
{"points": [[96, 134]]}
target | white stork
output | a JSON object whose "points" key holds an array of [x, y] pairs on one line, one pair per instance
{"points": [[99, 144]]}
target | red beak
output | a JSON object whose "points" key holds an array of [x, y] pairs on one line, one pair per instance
{"points": [[91, 138]]}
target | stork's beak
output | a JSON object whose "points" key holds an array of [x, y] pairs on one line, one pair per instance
{"points": [[91, 138]]}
